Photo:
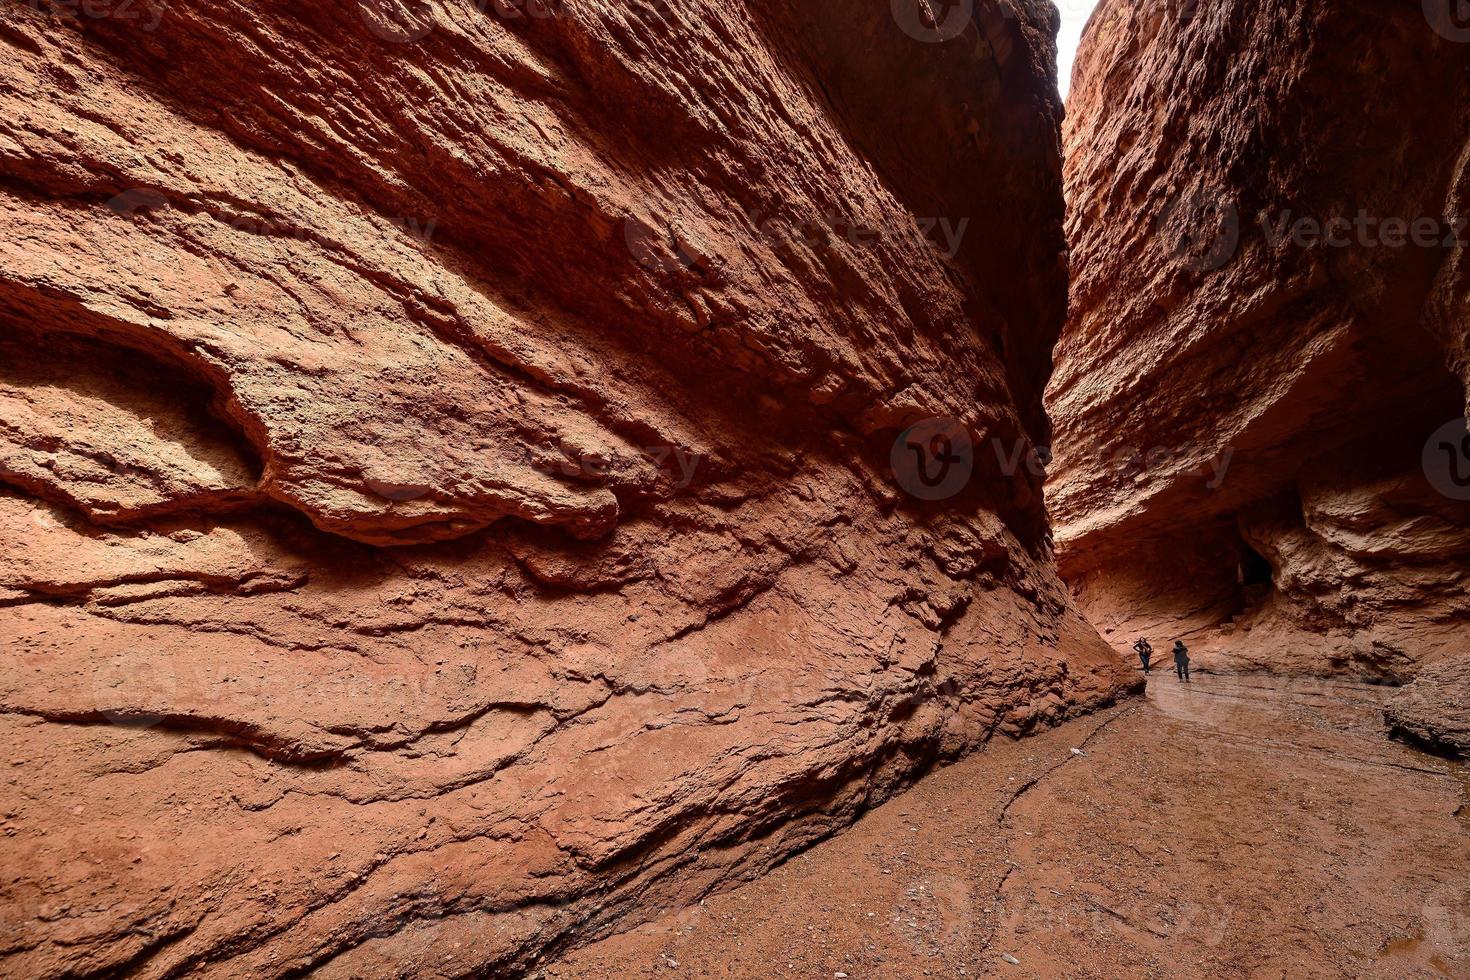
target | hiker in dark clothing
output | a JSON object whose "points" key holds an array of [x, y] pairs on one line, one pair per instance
{"points": [[1145, 651], [1181, 660]]}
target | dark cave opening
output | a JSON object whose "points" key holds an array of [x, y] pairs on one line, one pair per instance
{"points": [[1254, 578], [1254, 570]]}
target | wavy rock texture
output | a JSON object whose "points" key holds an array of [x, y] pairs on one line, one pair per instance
{"points": [[448, 506], [1434, 709], [1267, 334]]}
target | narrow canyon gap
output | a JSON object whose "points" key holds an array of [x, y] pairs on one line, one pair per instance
{"points": [[465, 470], [448, 503], [1260, 392]]}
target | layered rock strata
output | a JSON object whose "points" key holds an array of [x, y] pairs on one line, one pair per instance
{"points": [[448, 504], [1434, 709], [1260, 390]]}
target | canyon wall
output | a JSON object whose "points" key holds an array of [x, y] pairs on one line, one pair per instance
{"points": [[1260, 391], [457, 461]]}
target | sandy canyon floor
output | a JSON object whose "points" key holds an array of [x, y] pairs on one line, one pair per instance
{"points": [[1240, 826]]}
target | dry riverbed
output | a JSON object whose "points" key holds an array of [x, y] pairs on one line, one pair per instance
{"points": [[1239, 826]]}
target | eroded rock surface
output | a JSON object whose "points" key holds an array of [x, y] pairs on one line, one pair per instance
{"points": [[448, 507], [1258, 385], [1434, 709]]}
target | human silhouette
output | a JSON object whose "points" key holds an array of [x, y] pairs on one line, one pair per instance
{"points": [[1145, 651], [1181, 660]]}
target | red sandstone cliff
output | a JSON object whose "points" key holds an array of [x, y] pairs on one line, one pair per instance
{"points": [[447, 504], [1257, 387]]}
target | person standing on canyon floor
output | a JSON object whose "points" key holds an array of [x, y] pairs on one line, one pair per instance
{"points": [[1145, 651], [1181, 660]]}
